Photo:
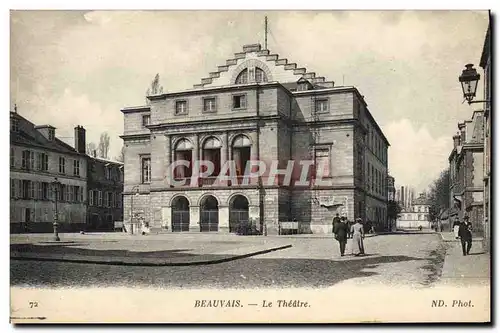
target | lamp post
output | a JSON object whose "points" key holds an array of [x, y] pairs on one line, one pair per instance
{"points": [[56, 184], [469, 79], [136, 189]]}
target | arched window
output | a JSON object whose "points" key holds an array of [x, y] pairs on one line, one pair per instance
{"points": [[260, 75], [252, 74], [183, 152], [241, 153], [212, 152], [242, 77]]}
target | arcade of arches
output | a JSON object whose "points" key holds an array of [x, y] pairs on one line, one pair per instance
{"points": [[209, 214]]}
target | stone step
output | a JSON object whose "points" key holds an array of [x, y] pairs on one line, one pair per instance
{"points": [[240, 55], [299, 71], [281, 62]]}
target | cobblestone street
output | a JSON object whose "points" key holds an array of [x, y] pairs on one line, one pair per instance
{"points": [[406, 260]]}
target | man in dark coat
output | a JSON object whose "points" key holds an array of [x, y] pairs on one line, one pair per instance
{"points": [[465, 234], [336, 220], [340, 229]]}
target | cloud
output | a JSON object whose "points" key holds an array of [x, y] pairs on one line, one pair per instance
{"points": [[416, 157]]}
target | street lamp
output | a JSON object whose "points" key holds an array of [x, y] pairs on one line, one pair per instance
{"points": [[136, 188], [469, 80], [56, 184]]}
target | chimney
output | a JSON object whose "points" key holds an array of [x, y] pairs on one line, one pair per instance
{"points": [[80, 145], [94, 153]]}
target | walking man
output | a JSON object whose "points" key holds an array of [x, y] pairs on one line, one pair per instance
{"points": [[340, 229], [336, 220], [465, 234]]}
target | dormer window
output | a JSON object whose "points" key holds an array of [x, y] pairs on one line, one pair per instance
{"points": [[303, 86], [14, 125], [51, 134]]}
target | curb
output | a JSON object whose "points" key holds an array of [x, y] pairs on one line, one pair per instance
{"points": [[152, 264], [458, 240]]}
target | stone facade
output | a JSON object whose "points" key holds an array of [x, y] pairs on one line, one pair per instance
{"points": [[485, 63], [37, 160], [282, 114], [90, 188], [105, 190], [466, 172]]}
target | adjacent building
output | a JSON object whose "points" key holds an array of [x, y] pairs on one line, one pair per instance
{"points": [[485, 63], [391, 197], [466, 172], [416, 216], [105, 191], [39, 162], [255, 107], [46, 173]]}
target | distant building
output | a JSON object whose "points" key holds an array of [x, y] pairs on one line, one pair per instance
{"points": [[391, 190], [391, 196], [404, 196], [466, 172], [417, 215]]}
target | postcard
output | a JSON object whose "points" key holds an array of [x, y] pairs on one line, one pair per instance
{"points": [[250, 166]]}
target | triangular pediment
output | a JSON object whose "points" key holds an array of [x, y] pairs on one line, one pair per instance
{"points": [[276, 69]]}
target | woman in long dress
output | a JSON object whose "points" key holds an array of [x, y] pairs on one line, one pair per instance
{"points": [[456, 227], [358, 234]]}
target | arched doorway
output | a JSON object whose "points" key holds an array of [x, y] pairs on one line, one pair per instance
{"points": [[180, 214], [209, 214], [238, 212]]}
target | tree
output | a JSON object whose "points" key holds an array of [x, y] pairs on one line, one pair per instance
{"points": [[155, 88], [103, 147], [393, 210], [439, 195], [121, 157], [91, 148]]}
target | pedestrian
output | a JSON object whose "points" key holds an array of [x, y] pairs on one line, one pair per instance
{"points": [[349, 225], [456, 226], [358, 234], [336, 220], [340, 230], [465, 234]]}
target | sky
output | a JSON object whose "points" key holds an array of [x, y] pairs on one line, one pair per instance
{"points": [[71, 68]]}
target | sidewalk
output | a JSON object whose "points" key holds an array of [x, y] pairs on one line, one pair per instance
{"points": [[450, 237], [158, 250], [473, 269]]}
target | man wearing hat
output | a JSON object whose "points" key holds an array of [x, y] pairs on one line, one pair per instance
{"points": [[465, 234]]}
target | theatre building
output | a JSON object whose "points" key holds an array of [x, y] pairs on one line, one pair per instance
{"points": [[255, 107]]}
